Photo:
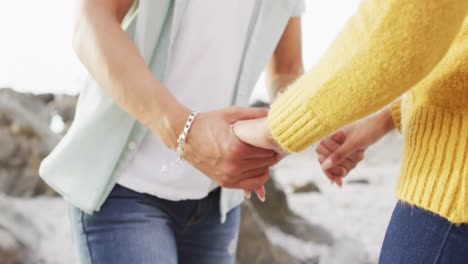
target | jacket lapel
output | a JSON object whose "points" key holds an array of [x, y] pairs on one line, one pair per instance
{"points": [[273, 16], [151, 18], [179, 8]]}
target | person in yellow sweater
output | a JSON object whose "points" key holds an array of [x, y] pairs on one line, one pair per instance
{"points": [[388, 48]]}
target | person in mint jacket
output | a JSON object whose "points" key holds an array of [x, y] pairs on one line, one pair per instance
{"points": [[166, 75]]}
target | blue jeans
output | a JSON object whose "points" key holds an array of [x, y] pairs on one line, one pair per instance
{"points": [[138, 228], [416, 236]]}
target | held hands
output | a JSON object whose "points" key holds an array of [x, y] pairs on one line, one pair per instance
{"points": [[235, 148], [214, 149], [341, 152], [256, 132]]}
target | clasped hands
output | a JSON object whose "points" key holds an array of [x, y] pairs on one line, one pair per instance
{"points": [[225, 145], [234, 147]]}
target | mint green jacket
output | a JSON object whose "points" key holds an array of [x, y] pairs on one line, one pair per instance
{"points": [[86, 164]]}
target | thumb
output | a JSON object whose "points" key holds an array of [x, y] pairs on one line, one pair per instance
{"points": [[245, 113], [337, 156]]}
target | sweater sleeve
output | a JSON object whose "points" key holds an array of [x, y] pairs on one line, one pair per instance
{"points": [[395, 110], [406, 39]]}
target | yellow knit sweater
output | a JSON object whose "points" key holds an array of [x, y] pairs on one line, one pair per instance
{"points": [[387, 48]]}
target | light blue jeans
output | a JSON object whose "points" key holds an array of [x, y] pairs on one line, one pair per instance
{"points": [[135, 228]]}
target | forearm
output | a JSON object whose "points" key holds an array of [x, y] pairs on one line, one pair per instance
{"points": [[116, 64], [277, 84], [375, 75], [383, 121], [285, 65]]}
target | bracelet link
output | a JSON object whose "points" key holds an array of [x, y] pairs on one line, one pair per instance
{"points": [[184, 134], [180, 143]]}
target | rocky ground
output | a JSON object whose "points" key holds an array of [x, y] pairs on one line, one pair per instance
{"points": [[33, 225], [305, 219]]}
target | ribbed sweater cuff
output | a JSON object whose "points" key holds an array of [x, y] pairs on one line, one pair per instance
{"points": [[292, 122], [395, 109]]}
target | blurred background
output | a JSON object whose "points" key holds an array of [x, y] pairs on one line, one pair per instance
{"points": [[305, 219]]}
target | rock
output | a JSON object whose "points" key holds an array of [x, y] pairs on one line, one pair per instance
{"points": [[346, 250], [275, 212], [4, 121], [46, 98], [7, 143], [258, 218], [306, 188], [65, 106], [18, 236], [254, 246], [10, 249], [358, 181], [29, 115], [18, 224], [40, 227], [26, 138]]}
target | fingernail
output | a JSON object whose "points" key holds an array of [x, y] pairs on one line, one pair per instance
{"points": [[262, 198], [327, 164], [261, 194], [339, 182], [247, 194]]}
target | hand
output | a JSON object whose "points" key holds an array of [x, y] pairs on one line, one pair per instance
{"points": [[256, 132], [213, 148], [341, 152]]}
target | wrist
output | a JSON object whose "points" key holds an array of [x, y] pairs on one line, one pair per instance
{"points": [[384, 122], [387, 121], [172, 124], [271, 141]]}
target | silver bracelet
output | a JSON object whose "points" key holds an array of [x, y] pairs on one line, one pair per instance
{"points": [[181, 142], [183, 136]]}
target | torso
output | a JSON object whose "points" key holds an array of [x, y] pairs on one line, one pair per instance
{"points": [[202, 74]]}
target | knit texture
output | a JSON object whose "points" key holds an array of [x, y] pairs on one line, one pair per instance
{"points": [[386, 49], [395, 110]]}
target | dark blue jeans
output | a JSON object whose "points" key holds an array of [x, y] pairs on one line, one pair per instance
{"points": [[135, 228], [416, 236]]}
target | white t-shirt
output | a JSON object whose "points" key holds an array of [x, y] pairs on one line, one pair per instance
{"points": [[202, 74]]}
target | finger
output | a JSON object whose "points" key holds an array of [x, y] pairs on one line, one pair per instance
{"points": [[339, 182], [357, 156], [261, 193], [253, 164], [331, 145], [338, 156], [244, 113], [322, 158], [322, 150], [252, 183], [278, 157], [247, 194], [338, 172], [247, 152], [330, 176], [332, 173], [347, 165], [339, 137], [255, 172]]}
